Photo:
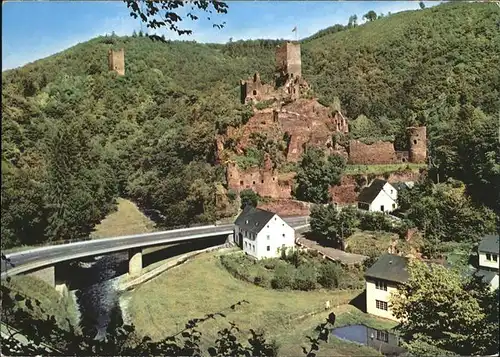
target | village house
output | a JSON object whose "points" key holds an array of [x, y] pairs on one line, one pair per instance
{"points": [[383, 278], [262, 234], [380, 196], [488, 253], [488, 260]]}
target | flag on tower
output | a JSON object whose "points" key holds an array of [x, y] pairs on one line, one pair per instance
{"points": [[294, 29]]}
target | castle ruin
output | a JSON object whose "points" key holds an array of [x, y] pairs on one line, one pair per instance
{"points": [[116, 61], [288, 78], [304, 122]]}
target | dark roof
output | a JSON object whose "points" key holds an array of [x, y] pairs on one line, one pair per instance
{"points": [[486, 275], [389, 267], [489, 244], [400, 186], [368, 194], [253, 219]]}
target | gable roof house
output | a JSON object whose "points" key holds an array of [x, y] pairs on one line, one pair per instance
{"points": [[488, 252], [262, 234], [488, 260], [380, 196], [383, 278]]}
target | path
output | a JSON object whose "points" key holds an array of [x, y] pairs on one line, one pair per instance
{"points": [[332, 253]]}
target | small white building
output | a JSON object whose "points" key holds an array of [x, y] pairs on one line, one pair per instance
{"points": [[262, 234], [380, 196], [382, 279], [488, 260], [488, 253]]}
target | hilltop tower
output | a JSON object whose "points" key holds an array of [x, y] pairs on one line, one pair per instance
{"points": [[116, 61], [288, 61], [418, 144]]}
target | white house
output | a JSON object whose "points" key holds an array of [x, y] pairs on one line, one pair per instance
{"points": [[488, 253], [262, 234], [488, 260], [380, 196], [383, 278]]}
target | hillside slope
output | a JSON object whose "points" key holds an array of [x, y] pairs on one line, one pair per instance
{"points": [[74, 135]]}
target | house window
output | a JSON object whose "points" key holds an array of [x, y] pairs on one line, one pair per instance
{"points": [[253, 247], [253, 182], [495, 257], [283, 224], [391, 192], [283, 235], [268, 248], [262, 181], [488, 256], [268, 237], [381, 305], [382, 336], [268, 226], [245, 234], [393, 206], [241, 183], [382, 208], [254, 92], [381, 285]]}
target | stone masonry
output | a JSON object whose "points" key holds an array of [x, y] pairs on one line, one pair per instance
{"points": [[304, 122], [116, 61]]}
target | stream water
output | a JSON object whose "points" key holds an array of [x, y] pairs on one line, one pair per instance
{"points": [[94, 282]]}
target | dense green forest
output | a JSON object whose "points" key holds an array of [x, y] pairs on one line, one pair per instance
{"points": [[76, 136]]}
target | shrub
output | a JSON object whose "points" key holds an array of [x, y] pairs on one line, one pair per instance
{"points": [[305, 277], [329, 274], [264, 104], [283, 277], [270, 264], [231, 194], [249, 197], [375, 221], [261, 280]]}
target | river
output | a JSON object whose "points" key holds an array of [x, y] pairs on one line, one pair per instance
{"points": [[94, 282]]}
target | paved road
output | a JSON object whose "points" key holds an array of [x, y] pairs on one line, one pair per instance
{"points": [[39, 257]]}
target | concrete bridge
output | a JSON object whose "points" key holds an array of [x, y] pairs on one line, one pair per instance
{"points": [[42, 262]]}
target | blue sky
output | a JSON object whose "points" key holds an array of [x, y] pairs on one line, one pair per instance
{"points": [[33, 30]]}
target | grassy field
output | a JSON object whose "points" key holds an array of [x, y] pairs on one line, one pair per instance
{"points": [[161, 307], [127, 219], [381, 169], [366, 242], [51, 302]]}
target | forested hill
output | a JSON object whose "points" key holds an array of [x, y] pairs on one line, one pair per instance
{"points": [[74, 135]]}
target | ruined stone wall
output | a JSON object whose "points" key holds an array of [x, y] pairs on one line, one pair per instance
{"points": [[403, 156], [116, 61], [287, 207], [262, 181], [418, 144], [380, 152], [253, 90]]}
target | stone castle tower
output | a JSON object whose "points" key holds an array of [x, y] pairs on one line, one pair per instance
{"points": [[288, 61], [288, 77], [418, 144], [116, 61]]}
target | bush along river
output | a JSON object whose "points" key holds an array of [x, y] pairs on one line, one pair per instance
{"points": [[94, 281]]}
